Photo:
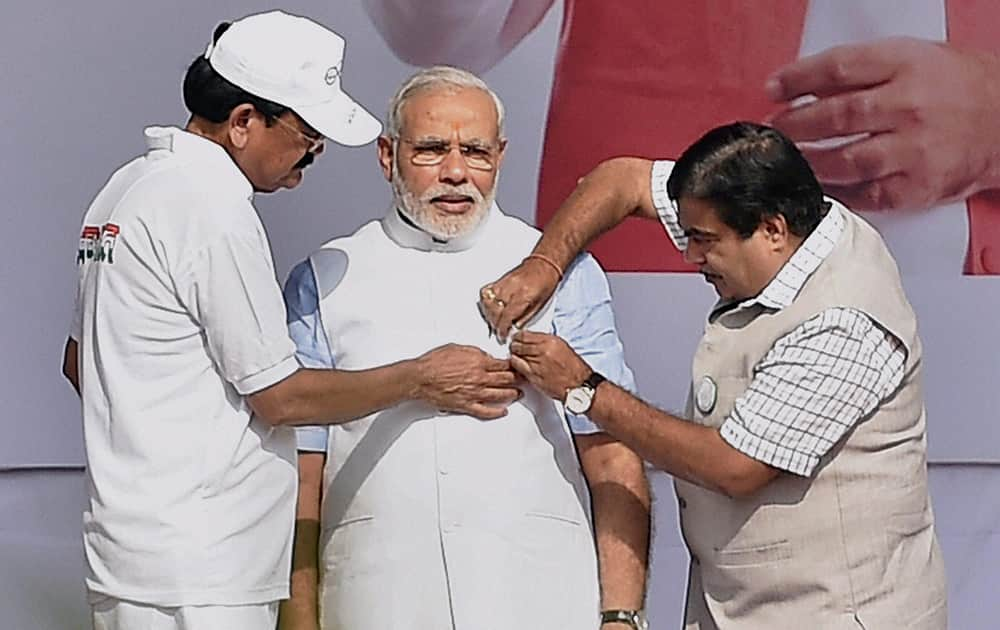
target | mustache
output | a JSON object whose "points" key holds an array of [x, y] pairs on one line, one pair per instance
{"points": [[467, 190], [306, 160]]}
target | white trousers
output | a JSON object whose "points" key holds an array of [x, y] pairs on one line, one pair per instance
{"points": [[117, 614]]}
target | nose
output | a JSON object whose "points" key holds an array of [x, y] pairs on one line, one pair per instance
{"points": [[693, 253], [453, 169]]}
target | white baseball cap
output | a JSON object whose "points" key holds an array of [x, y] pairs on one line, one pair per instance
{"points": [[297, 63]]}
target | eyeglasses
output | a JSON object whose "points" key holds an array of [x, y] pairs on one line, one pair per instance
{"points": [[315, 143], [478, 156]]}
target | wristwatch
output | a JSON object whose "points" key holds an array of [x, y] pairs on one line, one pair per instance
{"points": [[580, 398], [635, 619]]}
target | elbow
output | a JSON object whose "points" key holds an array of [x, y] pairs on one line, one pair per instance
{"points": [[630, 176], [423, 55], [416, 55], [737, 488], [455, 47], [277, 405], [611, 167], [614, 462], [283, 403], [275, 413], [273, 417], [624, 464], [741, 482]]}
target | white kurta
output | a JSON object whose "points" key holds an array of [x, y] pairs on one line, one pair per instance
{"points": [[435, 520]]}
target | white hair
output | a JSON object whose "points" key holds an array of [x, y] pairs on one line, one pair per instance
{"points": [[432, 78]]}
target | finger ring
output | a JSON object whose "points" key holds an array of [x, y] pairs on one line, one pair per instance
{"points": [[500, 302], [489, 294]]}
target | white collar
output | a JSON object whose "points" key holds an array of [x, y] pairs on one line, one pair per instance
{"points": [[782, 290], [191, 145], [405, 234]]}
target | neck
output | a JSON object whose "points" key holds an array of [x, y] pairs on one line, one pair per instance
{"points": [[407, 233], [207, 129]]}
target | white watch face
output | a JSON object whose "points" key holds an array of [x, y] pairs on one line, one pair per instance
{"points": [[578, 400]]}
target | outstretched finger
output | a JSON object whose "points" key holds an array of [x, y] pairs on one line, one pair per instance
{"points": [[894, 192], [835, 70], [861, 161], [849, 114]]}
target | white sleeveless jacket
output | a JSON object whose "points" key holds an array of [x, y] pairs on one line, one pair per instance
{"points": [[434, 520]]}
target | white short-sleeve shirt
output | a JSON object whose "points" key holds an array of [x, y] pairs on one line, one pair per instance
{"points": [[178, 317]]}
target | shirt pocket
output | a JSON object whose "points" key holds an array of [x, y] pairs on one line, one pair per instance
{"points": [[756, 556]]}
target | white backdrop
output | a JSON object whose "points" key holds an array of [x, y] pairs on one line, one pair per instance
{"points": [[83, 79]]}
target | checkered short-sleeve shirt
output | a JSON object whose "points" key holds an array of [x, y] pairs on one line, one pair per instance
{"points": [[819, 380]]}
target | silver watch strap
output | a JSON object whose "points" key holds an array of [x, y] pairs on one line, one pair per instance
{"points": [[633, 618]]}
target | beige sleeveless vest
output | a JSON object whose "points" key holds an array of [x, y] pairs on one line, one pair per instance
{"points": [[853, 546], [434, 520]]}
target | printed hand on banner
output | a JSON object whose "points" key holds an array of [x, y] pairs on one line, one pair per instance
{"points": [[548, 363], [923, 114], [466, 380], [513, 300]]}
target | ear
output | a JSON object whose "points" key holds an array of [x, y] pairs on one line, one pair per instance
{"points": [[775, 230], [385, 156], [240, 120], [500, 153]]}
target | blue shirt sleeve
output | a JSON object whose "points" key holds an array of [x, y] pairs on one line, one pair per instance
{"points": [[311, 346], [584, 318]]}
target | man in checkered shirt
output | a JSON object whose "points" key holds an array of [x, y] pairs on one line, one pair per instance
{"points": [[800, 461]]}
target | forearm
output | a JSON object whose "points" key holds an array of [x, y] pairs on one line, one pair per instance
{"points": [[621, 508], [989, 80], [615, 190], [336, 396], [684, 449], [301, 611], [474, 34]]}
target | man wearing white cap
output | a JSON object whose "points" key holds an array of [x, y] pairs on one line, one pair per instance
{"points": [[179, 335]]}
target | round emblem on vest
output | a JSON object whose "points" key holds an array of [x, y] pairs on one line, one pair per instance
{"points": [[706, 395]]}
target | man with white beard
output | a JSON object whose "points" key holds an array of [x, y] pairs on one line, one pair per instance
{"points": [[416, 517]]}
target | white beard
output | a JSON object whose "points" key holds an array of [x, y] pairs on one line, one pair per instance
{"points": [[424, 215]]}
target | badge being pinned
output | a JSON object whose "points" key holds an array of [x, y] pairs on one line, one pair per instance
{"points": [[705, 397]]}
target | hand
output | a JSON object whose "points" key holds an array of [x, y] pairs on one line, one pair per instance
{"points": [[514, 299], [925, 111], [548, 363], [466, 380]]}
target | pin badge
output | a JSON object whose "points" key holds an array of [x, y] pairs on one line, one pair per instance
{"points": [[706, 396]]}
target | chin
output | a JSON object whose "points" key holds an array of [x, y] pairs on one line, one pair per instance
{"points": [[292, 180]]}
